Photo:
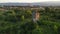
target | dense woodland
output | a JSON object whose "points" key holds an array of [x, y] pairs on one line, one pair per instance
{"points": [[17, 21]]}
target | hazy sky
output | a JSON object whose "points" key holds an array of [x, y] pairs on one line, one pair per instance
{"points": [[27, 1]]}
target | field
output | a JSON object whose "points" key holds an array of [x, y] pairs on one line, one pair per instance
{"points": [[19, 21]]}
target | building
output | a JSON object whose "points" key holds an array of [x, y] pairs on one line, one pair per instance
{"points": [[35, 15]]}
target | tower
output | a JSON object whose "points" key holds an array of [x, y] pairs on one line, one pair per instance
{"points": [[35, 15]]}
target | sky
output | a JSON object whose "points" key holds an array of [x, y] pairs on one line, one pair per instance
{"points": [[25, 1]]}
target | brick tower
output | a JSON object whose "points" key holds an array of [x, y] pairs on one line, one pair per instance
{"points": [[35, 15]]}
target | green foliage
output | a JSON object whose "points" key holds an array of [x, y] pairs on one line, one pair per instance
{"points": [[18, 21]]}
